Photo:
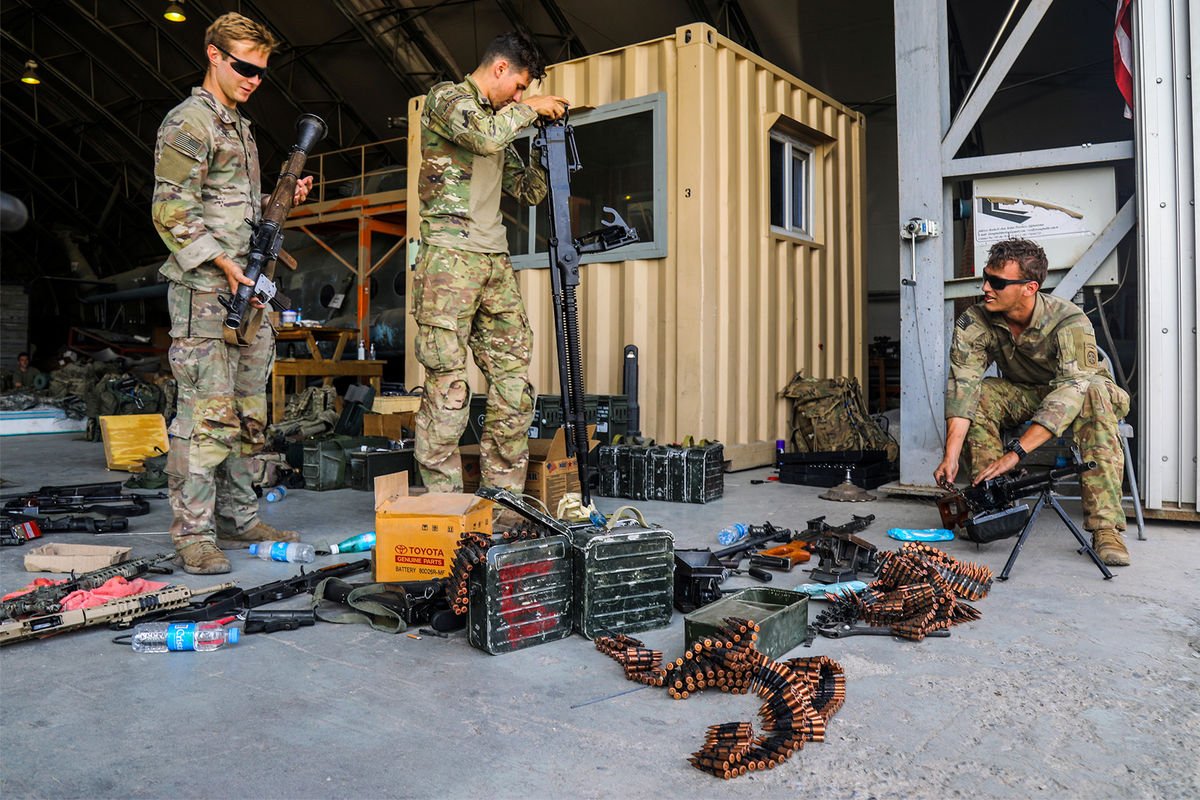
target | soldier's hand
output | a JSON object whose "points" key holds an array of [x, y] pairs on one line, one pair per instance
{"points": [[946, 472], [236, 278], [997, 468], [303, 187], [547, 105]]}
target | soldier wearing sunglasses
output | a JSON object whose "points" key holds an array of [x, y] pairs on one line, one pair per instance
{"points": [[207, 185], [1051, 377]]}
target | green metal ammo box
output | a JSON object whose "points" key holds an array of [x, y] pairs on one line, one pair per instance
{"points": [[521, 596], [624, 579], [782, 618]]}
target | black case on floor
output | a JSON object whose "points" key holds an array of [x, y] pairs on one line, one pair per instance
{"points": [[869, 469]]}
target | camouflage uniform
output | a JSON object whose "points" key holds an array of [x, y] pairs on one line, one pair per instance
{"points": [[1052, 376], [207, 184], [464, 289]]}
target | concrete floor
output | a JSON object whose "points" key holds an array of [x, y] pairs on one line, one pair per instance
{"points": [[1069, 685]]}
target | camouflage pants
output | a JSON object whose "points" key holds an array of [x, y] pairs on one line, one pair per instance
{"points": [[1003, 404], [219, 423], [471, 299]]}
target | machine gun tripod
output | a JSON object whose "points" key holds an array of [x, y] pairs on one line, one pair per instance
{"points": [[989, 511]]}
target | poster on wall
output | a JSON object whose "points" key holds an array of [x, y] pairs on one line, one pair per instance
{"points": [[1062, 211]]}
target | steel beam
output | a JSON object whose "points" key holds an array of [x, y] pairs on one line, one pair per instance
{"points": [[1100, 248], [922, 116], [367, 32], [1038, 159], [572, 45], [974, 105]]}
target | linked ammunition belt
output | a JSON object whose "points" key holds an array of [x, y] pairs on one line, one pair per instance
{"points": [[799, 696], [920, 590], [470, 552]]}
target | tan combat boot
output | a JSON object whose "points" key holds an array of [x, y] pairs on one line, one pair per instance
{"points": [[260, 532], [1110, 546], [203, 558]]}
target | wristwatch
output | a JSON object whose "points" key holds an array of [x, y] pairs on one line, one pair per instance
{"points": [[1014, 446]]}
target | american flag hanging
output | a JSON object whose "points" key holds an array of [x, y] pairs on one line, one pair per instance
{"points": [[1123, 53]]}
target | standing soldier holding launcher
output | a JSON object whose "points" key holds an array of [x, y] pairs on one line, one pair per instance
{"points": [[207, 185]]}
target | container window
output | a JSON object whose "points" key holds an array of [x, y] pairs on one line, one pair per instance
{"points": [[622, 147], [791, 185]]}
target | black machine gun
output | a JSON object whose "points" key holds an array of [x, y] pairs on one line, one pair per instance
{"points": [[556, 143], [989, 511], [267, 240]]}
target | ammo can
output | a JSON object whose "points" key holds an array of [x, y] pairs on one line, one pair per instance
{"points": [[697, 474], [521, 596], [640, 476], [609, 470], [624, 579]]}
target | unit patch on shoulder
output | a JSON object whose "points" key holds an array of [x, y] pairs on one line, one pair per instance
{"points": [[965, 320], [1089, 355]]}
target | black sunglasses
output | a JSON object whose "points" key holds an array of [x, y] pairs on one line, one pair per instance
{"points": [[998, 283], [243, 68]]}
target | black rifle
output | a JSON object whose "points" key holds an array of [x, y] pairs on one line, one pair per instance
{"points": [[48, 599], [237, 602], [77, 524], [556, 143], [988, 511], [842, 554], [267, 240]]}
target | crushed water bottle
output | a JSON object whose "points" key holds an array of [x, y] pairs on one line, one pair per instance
{"points": [[733, 534], [294, 552], [165, 637], [275, 494]]}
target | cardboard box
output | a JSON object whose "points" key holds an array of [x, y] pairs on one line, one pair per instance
{"points": [[551, 474], [416, 536], [389, 425], [396, 404], [470, 467], [73, 557]]}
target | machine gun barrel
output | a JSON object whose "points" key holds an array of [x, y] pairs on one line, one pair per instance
{"points": [[1016, 487], [555, 140], [268, 233]]}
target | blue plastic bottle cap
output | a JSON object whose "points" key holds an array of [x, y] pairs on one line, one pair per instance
{"points": [[254, 549], [234, 634]]}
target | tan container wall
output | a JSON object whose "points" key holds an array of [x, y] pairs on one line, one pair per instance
{"points": [[733, 311]]}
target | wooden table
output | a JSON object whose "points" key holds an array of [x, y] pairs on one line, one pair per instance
{"points": [[317, 366]]}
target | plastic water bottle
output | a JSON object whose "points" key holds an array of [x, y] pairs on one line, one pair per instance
{"points": [[362, 351], [372, 351], [294, 552], [164, 637], [275, 494], [733, 534], [355, 544]]}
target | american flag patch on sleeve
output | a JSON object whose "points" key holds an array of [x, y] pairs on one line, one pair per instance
{"points": [[186, 143]]}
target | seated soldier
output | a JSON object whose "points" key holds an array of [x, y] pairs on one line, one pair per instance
{"points": [[26, 376], [1045, 349]]}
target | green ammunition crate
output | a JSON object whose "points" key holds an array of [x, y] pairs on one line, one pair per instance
{"points": [[696, 474], [521, 596], [624, 579], [324, 465], [782, 617]]}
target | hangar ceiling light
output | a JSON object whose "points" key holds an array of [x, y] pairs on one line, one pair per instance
{"points": [[31, 76], [174, 12]]}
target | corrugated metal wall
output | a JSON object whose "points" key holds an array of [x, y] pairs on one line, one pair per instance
{"points": [[733, 311]]}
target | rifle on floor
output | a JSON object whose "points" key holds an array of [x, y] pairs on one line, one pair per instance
{"points": [[556, 143], [123, 610], [48, 599], [234, 601]]}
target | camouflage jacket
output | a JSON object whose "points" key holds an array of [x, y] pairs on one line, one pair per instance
{"points": [[1058, 350], [206, 185], [467, 158]]}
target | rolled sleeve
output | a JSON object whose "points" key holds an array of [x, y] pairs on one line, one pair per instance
{"points": [[199, 251]]}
